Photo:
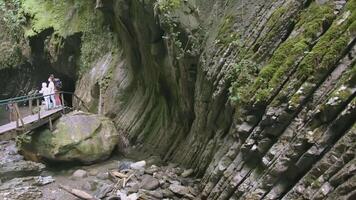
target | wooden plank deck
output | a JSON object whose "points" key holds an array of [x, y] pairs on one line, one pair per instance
{"points": [[31, 119]]}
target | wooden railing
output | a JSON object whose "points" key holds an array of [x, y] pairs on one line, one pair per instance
{"points": [[12, 105]]}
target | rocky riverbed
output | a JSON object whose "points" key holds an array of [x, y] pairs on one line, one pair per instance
{"points": [[116, 178]]}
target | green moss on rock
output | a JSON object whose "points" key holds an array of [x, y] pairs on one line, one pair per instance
{"points": [[286, 57], [12, 44], [68, 18], [77, 136]]}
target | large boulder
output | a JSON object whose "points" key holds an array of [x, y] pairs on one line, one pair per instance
{"points": [[77, 136]]}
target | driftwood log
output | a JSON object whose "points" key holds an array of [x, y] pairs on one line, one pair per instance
{"points": [[78, 193]]}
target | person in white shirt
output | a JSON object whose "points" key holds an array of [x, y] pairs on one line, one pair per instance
{"points": [[51, 90], [46, 91]]}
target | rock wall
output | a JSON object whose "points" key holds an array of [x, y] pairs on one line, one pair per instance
{"points": [[289, 66], [257, 96]]}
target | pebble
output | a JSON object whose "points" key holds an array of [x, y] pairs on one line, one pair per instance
{"points": [[149, 183], [181, 190], [133, 188], [138, 165], [167, 193], [80, 173], [93, 172], [103, 190], [151, 170], [157, 194], [123, 165], [102, 175], [89, 186], [187, 173]]}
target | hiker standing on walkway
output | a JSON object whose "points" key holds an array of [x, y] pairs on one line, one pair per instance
{"points": [[57, 88], [45, 91], [52, 90]]}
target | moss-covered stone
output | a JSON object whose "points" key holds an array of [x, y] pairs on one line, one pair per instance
{"points": [[77, 137]]}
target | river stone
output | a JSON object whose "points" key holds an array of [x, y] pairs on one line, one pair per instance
{"points": [[151, 170], [123, 165], [133, 188], [103, 190], [155, 194], [21, 193], [181, 190], [14, 166], [93, 172], [167, 193], [80, 173], [138, 165], [102, 175], [24, 188], [89, 186], [20, 169], [149, 183], [187, 173], [77, 136]]}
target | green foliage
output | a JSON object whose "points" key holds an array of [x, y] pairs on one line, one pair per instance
{"points": [[226, 34], [242, 75], [313, 19], [287, 55], [70, 17], [181, 41], [167, 5], [323, 57], [11, 16], [11, 34]]}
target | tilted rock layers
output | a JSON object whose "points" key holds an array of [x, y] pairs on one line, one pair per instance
{"points": [[257, 96]]}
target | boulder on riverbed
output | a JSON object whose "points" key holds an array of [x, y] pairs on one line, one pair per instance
{"points": [[13, 165], [77, 136]]}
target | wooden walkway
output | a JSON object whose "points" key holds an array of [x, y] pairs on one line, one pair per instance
{"points": [[31, 122]]}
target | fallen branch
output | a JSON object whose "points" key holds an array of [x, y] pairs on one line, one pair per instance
{"points": [[118, 174], [78, 193], [126, 180]]}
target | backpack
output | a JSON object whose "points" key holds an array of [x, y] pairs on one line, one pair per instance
{"points": [[57, 83]]}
